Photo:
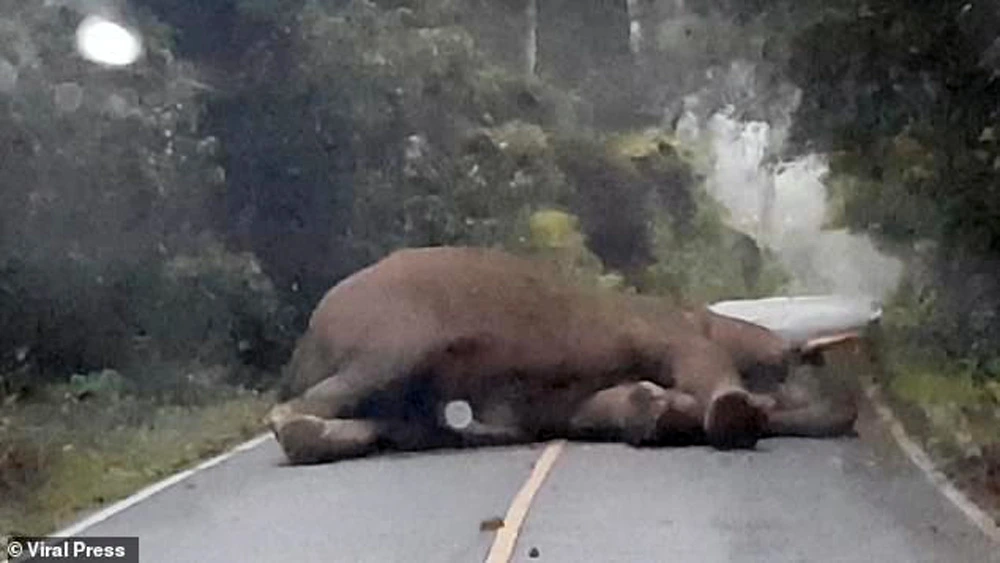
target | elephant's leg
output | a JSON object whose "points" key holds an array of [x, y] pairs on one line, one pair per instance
{"points": [[732, 416], [316, 427], [803, 411], [309, 439], [638, 413], [816, 420]]}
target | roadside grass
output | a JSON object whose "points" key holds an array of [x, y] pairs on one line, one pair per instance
{"points": [[961, 412], [954, 413], [61, 456]]}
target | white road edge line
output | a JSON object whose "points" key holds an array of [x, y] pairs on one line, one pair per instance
{"points": [[151, 490], [506, 538], [919, 457]]}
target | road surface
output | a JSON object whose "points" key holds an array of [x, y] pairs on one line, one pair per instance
{"points": [[791, 500]]}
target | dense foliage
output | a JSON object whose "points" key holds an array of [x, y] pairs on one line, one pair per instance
{"points": [[108, 179], [189, 210], [906, 96], [238, 175]]}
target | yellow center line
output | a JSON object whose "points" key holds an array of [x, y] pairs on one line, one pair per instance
{"points": [[503, 544]]}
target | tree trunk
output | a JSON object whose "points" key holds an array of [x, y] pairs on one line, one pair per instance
{"points": [[530, 37], [636, 13], [584, 44]]}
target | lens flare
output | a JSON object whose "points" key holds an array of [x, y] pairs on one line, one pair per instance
{"points": [[105, 42], [458, 414]]}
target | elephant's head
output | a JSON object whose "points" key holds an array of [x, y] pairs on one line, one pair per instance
{"points": [[764, 358]]}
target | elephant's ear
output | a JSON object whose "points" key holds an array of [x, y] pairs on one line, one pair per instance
{"points": [[811, 352]]}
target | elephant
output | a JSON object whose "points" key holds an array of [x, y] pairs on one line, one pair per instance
{"points": [[527, 356]]}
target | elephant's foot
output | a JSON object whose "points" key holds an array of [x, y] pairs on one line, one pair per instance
{"points": [[735, 419], [650, 411], [310, 439]]}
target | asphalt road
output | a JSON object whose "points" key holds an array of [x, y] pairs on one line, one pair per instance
{"points": [[791, 500], [852, 499]]}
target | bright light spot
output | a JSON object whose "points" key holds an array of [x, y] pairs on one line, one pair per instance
{"points": [[458, 414], [105, 42]]}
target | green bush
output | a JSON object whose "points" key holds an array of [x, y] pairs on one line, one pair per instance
{"points": [[207, 308], [98, 188]]}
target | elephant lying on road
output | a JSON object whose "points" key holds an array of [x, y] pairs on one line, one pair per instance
{"points": [[532, 357]]}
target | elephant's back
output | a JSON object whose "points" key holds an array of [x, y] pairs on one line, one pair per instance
{"points": [[471, 309]]}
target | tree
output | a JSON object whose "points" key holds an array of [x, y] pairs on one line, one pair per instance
{"points": [[906, 97]]}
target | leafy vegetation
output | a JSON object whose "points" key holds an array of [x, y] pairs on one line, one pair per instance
{"points": [[913, 127]]}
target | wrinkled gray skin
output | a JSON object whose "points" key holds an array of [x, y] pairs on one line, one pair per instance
{"points": [[534, 357]]}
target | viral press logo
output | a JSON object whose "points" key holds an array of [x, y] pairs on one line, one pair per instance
{"points": [[86, 549], [15, 549]]}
